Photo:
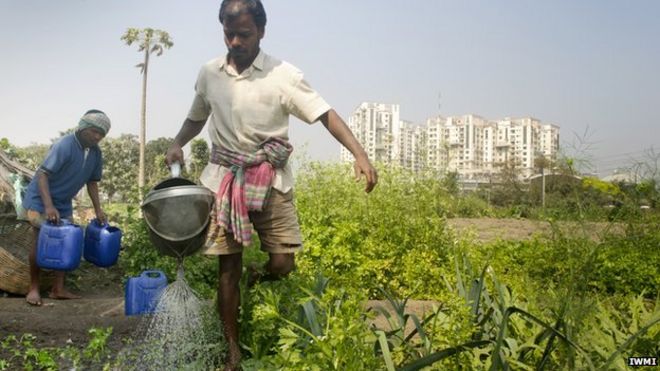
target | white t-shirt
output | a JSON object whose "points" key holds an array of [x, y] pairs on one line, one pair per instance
{"points": [[244, 110]]}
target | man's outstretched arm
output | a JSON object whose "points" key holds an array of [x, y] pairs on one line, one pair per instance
{"points": [[337, 127]]}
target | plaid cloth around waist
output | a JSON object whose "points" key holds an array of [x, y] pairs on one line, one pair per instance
{"points": [[247, 186]]}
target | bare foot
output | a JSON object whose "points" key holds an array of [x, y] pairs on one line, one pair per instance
{"points": [[63, 295], [33, 298]]}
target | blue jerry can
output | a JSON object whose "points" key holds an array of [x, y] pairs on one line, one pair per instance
{"points": [[143, 292], [102, 244], [59, 246]]}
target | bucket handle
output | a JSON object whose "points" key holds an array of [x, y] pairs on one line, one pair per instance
{"points": [[176, 169]]}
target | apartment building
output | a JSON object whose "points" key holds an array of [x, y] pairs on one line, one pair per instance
{"points": [[459, 143], [519, 142], [377, 127], [474, 147], [412, 144]]}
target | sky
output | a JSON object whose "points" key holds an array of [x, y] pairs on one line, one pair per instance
{"points": [[592, 67]]}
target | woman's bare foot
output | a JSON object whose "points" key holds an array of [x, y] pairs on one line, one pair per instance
{"points": [[33, 298], [62, 295]]}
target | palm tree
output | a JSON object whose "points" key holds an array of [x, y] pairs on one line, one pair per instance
{"points": [[149, 41]]}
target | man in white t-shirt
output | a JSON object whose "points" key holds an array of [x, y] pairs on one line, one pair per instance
{"points": [[247, 97]]}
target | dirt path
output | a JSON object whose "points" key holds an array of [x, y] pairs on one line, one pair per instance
{"points": [[490, 229], [59, 323]]}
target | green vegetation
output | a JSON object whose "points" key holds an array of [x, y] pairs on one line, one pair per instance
{"points": [[568, 299], [22, 353]]}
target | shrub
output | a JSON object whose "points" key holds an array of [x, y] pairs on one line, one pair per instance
{"points": [[394, 237], [630, 263]]}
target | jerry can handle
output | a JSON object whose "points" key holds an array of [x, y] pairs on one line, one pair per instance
{"points": [[147, 274], [63, 221], [102, 225]]}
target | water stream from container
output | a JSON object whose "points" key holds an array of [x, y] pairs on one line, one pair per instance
{"points": [[182, 334]]}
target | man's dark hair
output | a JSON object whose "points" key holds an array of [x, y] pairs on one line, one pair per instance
{"points": [[253, 7]]}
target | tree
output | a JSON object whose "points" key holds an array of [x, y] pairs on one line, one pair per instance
{"points": [[647, 167], [119, 156], [32, 155], [542, 163], [450, 181], [199, 151], [156, 170], [509, 189], [149, 41], [63, 133], [4, 144]]}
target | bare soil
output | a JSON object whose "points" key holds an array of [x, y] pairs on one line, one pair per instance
{"points": [[60, 322], [486, 230]]}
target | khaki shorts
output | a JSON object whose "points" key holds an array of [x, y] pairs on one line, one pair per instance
{"points": [[277, 227], [35, 218]]}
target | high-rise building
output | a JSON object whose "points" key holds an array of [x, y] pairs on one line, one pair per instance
{"points": [[378, 128], [470, 145], [519, 142], [458, 144]]}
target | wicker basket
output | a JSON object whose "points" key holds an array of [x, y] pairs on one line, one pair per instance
{"points": [[16, 240]]}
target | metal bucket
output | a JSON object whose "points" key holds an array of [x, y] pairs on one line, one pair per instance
{"points": [[177, 212]]}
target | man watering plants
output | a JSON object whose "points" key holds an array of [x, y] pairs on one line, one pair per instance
{"points": [[72, 162], [247, 97]]}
